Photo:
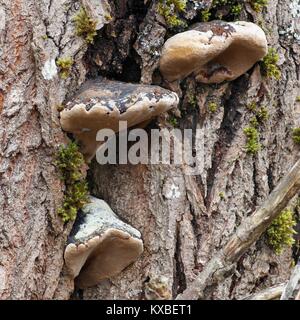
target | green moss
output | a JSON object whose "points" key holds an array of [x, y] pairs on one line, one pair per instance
{"points": [[269, 65], [258, 5], [69, 161], [298, 98], [205, 15], [252, 145], [193, 101], [173, 121], [222, 9], [213, 107], [65, 65], [180, 5], [232, 8], [236, 9], [296, 135], [85, 26], [280, 233], [222, 195], [254, 122], [252, 106], [108, 17], [170, 10], [262, 114], [60, 107]]}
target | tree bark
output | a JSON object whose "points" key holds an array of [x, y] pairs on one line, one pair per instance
{"points": [[184, 220], [247, 233], [272, 293], [292, 288], [32, 236]]}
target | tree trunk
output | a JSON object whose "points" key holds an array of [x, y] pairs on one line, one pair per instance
{"points": [[32, 236], [184, 220]]}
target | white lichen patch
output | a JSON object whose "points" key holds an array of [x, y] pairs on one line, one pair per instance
{"points": [[295, 8], [2, 279], [293, 30], [173, 192], [2, 19], [2, 28], [198, 5], [98, 218], [49, 70]]}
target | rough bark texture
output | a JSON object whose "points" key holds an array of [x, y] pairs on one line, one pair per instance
{"points": [[252, 227], [272, 293], [32, 236], [184, 220], [292, 289]]}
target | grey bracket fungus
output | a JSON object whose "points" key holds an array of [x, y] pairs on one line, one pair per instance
{"points": [[102, 104], [213, 52], [101, 245]]}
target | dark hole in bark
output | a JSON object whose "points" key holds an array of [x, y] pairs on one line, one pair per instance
{"points": [[77, 294], [131, 71], [112, 55], [138, 8]]}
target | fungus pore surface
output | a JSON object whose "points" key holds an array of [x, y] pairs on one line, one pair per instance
{"points": [[102, 104], [100, 245]]}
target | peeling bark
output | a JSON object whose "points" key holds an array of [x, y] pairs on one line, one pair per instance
{"points": [[292, 288], [272, 293]]}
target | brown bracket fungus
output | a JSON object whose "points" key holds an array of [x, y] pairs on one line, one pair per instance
{"points": [[100, 245], [102, 104], [214, 52]]}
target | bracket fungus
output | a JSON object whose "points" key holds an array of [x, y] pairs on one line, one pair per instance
{"points": [[102, 104], [100, 245], [213, 52]]}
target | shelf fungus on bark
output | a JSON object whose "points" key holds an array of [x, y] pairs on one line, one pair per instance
{"points": [[102, 104], [100, 245], [213, 52]]}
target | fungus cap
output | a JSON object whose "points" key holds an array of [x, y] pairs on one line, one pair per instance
{"points": [[214, 52], [102, 104], [100, 245]]}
